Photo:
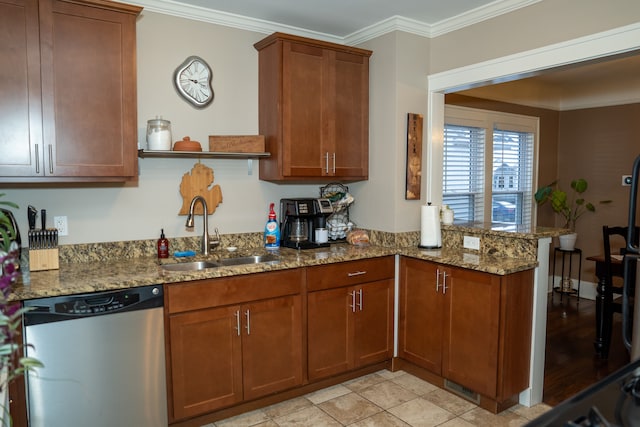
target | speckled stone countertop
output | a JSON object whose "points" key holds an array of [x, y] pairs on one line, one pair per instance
{"points": [[77, 278], [118, 265]]}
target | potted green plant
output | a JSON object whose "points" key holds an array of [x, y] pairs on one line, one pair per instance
{"points": [[11, 364], [570, 206]]}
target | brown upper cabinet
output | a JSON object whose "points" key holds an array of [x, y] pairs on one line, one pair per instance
{"points": [[68, 83], [314, 109]]}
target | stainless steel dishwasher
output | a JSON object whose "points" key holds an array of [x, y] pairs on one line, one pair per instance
{"points": [[103, 356]]}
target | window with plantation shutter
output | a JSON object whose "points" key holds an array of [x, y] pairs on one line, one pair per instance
{"points": [[488, 165]]}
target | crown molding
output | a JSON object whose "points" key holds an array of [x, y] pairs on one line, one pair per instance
{"points": [[197, 13], [394, 23], [479, 14]]}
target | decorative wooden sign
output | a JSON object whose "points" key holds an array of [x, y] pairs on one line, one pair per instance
{"points": [[198, 183], [414, 156]]}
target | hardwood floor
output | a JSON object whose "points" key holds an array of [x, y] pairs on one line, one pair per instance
{"points": [[570, 361]]}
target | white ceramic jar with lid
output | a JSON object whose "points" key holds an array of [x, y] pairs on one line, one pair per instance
{"points": [[159, 134]]}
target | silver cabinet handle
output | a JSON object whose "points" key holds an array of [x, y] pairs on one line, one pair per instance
{"points": [[437, 280], [37, 159], [334, 163], [444, 282], [237, 314], [326, 162], [361, 303], [51, 159], [356, 273], [248, 316], [353, 301]]}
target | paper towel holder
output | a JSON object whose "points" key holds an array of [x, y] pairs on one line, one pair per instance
{"points": [[430, 237]]}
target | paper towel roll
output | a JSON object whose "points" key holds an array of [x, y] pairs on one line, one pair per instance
{"points": [[430, 237]]}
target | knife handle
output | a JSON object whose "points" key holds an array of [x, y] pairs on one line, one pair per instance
{"points": [[43, 218], [31, 215]]}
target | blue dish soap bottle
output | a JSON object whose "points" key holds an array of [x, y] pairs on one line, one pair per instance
{"points": [[272, 230]]}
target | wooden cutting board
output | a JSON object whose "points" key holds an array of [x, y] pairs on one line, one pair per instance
{"points": [[198, 182]]}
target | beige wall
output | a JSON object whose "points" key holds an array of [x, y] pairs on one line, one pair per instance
{"points": [[600, 145], [399, 67], [540, 24], [398, 87]]}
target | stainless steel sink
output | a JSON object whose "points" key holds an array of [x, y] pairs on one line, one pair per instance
{"points": [[225, 262], [191, 266], [256, 259]]}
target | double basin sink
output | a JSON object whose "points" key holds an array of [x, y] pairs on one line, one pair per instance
{"points": [[224, 262]]}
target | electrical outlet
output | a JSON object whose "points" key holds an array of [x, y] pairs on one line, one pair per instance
{"points": [[60, 222], [470, 242], [626, 180]]}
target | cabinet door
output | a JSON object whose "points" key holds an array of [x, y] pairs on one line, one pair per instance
{"points": [[350, 107], [303, 113], [330, 328], [472, 320], [272, 345], [88, 90], [421, 314], [206, 371], [373, 339], [20, 105]]}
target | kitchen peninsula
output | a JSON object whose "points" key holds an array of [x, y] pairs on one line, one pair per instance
{"points": [[88, 268]]}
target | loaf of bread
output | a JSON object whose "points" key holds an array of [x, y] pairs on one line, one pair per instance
{"points": [[358, 237]]}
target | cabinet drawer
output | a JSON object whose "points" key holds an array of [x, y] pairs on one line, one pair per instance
{"points": [[349, 273], [180, 297]]}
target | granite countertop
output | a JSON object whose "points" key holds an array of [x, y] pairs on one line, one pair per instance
{"points": [[84, 277]]}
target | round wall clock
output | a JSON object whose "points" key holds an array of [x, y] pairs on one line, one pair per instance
{"points": [[192, 80]]}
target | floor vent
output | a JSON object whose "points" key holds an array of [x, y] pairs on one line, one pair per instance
{"points": [[462, 391]]}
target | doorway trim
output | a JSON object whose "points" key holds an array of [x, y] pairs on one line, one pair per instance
{"points": [[618, 41]]}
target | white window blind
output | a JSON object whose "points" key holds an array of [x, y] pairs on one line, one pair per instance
{"points": [[463, 169], [512, 176], [488, 165]]}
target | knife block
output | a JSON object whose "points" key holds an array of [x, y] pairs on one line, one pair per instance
{"points": [[43, 259]]}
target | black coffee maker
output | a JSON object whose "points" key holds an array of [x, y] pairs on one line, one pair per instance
{"points": [[300, 218]]}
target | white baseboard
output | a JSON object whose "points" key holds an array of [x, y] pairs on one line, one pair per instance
{"points": [[587, 289]]}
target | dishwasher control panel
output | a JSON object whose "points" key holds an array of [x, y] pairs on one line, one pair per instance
{"points": [[96, 305], [67, 307]]}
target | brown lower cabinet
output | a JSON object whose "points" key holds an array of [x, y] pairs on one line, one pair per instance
{"points": [[467, 327], [232, 339], [350, 315]]}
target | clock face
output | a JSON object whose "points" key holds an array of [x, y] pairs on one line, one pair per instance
{"points": [[192, 80]]}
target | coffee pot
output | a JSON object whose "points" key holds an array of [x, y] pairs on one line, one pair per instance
{"points": [[299, 230]]}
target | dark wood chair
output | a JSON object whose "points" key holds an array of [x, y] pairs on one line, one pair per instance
{"points": [[614, 274]]}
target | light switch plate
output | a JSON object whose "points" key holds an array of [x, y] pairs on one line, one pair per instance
{"points": [[470, 242]]}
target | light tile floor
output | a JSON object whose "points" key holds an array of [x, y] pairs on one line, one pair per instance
{"points": [[384, 399]]}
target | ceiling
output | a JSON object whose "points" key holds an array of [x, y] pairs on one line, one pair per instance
{"points": [[343, 17], [342, 21], [611, 82]]}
